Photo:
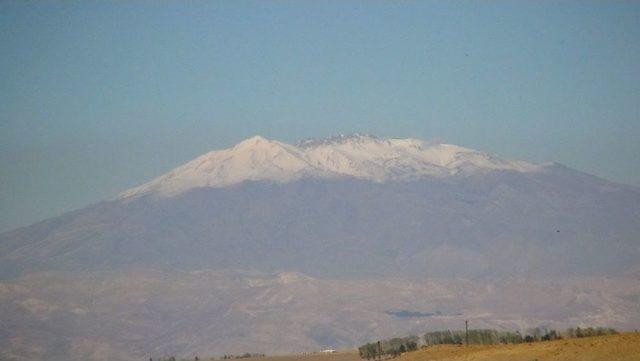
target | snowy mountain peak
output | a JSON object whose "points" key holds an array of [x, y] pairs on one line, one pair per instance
{"points": [[338, 139], [255, 141], [360, 156]]}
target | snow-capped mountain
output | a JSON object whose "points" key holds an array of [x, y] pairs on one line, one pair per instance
{"points": [[334, 231], [356, 205], [360, 156]]}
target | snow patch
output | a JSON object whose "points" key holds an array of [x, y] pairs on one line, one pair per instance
{"points": [[360, 156]]}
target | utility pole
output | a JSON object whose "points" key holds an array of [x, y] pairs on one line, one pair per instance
{"points": [[379, 351], [466, 331]]}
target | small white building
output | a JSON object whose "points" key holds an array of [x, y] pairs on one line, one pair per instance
{"points": [[329, 350]]}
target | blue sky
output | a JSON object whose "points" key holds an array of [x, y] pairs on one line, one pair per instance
{"points": [[97, 97]]}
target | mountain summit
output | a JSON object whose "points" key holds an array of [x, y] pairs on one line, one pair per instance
{"points": [[359, 156]]}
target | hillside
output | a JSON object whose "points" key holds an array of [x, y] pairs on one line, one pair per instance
{"points": [[53, 315]]}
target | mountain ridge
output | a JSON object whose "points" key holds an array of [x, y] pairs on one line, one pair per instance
{"points": [[358, 156]]}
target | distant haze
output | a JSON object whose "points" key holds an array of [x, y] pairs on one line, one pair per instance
{"points": [[96, 98]]}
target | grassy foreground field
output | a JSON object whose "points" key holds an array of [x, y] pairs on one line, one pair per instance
{"points": [[622, 347]]}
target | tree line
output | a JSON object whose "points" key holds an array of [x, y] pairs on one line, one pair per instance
{"points": [[396, 346], [391, 347], [492, 337]]}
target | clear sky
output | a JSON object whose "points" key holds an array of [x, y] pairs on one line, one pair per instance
{"points": [[97, 97]]}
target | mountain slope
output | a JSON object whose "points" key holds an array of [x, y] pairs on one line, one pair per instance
{"points": [[486, 217]]}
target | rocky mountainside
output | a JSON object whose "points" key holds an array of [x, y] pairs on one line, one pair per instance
{"points": [[135, 315]]}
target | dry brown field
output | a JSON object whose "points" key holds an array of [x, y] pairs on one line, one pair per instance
{"points": [[622, 347]]}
